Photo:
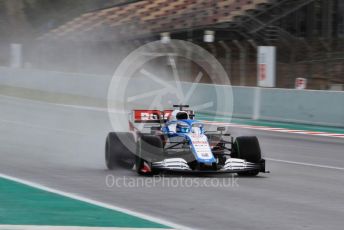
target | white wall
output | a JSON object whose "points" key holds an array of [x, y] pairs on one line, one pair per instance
{"points": [[287, 105]]}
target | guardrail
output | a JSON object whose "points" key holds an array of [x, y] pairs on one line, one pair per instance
{"points": [[283, 105]]}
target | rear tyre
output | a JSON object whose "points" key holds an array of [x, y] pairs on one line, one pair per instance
{"points": [[247, 148], [118, 150], [149, 149]]}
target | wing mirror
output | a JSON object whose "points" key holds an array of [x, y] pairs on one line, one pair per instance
{"points": [[221, 128]]}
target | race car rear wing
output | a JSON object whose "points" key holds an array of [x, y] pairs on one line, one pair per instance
{"points": [[151, 116], [154, 116]]}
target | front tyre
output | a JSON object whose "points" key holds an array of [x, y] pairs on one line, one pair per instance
{"points": [[118, 150], [149, 149], [247, 148]]}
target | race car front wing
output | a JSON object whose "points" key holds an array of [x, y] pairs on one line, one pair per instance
{"points": [[232, 165]]}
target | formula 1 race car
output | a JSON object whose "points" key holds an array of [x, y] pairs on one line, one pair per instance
{"points": [[175, 141]]}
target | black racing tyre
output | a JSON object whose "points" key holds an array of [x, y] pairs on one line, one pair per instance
{"points": [[118, 150], [247, 148], [149, 149]]}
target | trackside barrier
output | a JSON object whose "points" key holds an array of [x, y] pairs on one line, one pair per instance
{"points": [[283, 105]]}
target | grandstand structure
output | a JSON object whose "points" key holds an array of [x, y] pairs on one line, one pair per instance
{"points": [[308, 34]]}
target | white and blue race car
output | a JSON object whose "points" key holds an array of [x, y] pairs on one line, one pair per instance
{"points": [[175, 141]]}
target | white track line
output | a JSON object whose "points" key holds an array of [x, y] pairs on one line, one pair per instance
{"points": [[28, 125], [94, 202], [305, 164], [281, 130], [48, 227], [264, 128], [21, 100]]}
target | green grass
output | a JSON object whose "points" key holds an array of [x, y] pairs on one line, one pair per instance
{"points": [[24, 205]]}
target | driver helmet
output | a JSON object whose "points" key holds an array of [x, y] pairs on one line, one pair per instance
{"points": [[182, 127], [179, 115]]}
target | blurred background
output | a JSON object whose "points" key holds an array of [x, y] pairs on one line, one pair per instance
{"points": [[59, 99], [93, 36]]}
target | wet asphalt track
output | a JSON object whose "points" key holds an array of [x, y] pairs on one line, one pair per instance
{"points": [[62, 147]]}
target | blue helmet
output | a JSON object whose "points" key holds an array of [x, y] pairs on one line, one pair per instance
{"points": [[182, 127]]}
